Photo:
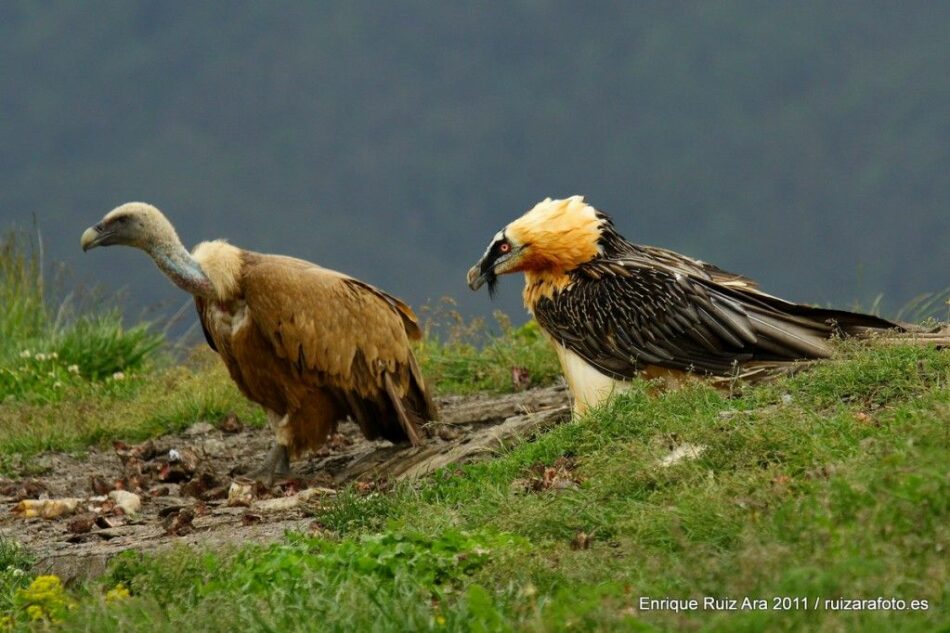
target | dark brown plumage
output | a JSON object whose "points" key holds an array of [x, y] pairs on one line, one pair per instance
{"points": [[616, 310]]}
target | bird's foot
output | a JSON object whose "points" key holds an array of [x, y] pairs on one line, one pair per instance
{"points": [[276, 465]]}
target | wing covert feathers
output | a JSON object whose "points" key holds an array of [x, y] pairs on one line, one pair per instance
{"points": [[655, 308], [295, 332]]}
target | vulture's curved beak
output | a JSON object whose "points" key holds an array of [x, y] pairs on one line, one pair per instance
{"points": [[95, 236], [483, 273], [476, 277]]}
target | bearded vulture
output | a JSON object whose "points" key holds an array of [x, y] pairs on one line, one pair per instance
{"points": [[615, 310], [310, 345]]}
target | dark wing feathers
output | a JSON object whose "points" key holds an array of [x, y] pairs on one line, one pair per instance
{"points": [[623, 314], [201, 305]]}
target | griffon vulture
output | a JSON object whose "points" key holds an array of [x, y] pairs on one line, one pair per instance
{"points": [[310, 345], [615, 310]]}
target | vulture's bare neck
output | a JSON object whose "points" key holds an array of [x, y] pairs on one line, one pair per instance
{"points": [[176, 262]]}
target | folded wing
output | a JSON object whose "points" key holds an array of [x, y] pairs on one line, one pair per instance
{"points": [[623, 315]]}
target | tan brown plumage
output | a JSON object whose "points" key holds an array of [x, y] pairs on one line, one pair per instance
{"points": [[617, 310], [310, 345]]}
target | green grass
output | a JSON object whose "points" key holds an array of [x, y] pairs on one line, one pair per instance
{"points": [[15, 575], [46, 353], [467, 356], [829, 485]]}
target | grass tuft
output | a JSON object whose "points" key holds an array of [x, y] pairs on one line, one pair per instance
{"points": [[43, 353], [464, 356]]}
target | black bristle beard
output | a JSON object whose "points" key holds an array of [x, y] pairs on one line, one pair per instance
{"points": [[492, 280]]}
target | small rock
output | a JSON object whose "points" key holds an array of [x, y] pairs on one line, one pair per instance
{"points": [[128, 501], [241, 493], [231, 424], [81, 524], [684, 451], [199, 428]]}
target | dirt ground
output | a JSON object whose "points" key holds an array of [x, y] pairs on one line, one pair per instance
{"points": [[80, 511]]}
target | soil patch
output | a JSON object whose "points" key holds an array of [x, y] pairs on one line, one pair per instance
{"points": [[190, 488]]}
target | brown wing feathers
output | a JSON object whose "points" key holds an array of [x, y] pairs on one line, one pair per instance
{"points": [[340, 336]]}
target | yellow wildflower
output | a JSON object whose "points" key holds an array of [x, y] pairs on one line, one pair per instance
{"points": [[117, 593], [45, 599]]}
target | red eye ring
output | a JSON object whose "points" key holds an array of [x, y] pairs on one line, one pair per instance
{"points": [[504, 247]]}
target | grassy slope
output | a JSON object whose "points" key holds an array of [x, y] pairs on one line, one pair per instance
{"points": [[832, 484]]}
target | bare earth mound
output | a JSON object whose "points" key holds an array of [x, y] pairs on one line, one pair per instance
{"points": [[189, 488]]}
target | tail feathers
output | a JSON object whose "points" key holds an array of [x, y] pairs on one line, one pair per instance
{"points": [[904, 334], [406, 409], [790, 338], [841, 322], [408, 422], [419, 394], [938, 336], [787, 331]]}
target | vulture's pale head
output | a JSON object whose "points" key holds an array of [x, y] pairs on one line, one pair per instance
{"points": [[132, 224], [143, 226], [554, 237]]}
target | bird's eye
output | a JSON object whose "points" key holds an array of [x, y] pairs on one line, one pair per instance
{"points": [[504, 247]]}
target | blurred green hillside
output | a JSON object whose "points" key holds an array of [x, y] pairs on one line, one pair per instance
{"points": [[802, 144]]}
